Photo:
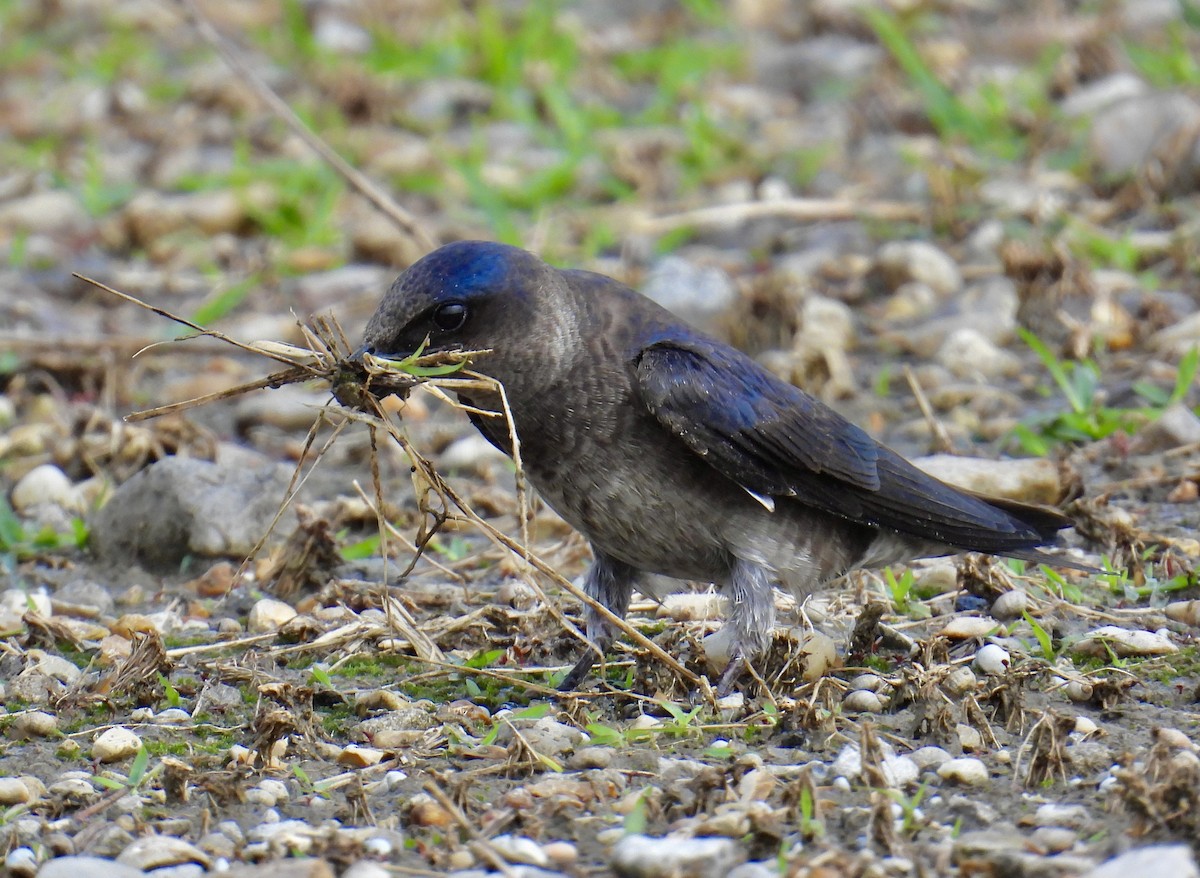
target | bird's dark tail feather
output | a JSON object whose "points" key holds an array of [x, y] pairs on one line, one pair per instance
{"points": [[1046, 522], [1037, 557]]}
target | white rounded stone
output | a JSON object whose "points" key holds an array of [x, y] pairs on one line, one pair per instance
{"points": [[862, 701], [269, 615], [45, 485], [115, 744], [992, 660], [965, 770]]}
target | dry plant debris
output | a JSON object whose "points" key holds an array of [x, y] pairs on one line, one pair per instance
{"points": [[853, 224]]}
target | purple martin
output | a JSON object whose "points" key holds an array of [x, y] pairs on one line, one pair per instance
{"points": [[675, 454]]}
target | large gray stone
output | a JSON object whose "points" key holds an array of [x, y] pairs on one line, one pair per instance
{"points": [[181, 506]]}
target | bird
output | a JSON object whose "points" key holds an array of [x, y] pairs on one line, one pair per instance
{"points": [[674, 454]]}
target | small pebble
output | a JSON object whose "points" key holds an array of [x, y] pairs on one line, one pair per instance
{"points": [[366, 869], [968, 627], [518, 849], [929, 757], [21, 863], [15, 791], [156, 851], [1085, 726], [1187, 612], [1010, 605], [1173, 860], [1125, 643], [45, 484], [969, 737], [961, 680], [964, 770], [1063, 816], [269, 615], [36, 724], [901, 262], [992, 660], [640, 856], [869, 682], [862, 701], [1053, 839], [115, 744], [1174, 738]]}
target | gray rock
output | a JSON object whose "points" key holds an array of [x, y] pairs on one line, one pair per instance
{"points": [[695, 292], [324, 290], [81, 595], [512, 871], [1176, 426], [639, 856], [1175, 860], [83, 867], [1095, 96], [157, 851], [55, 212], [1031, 480], [21, 862], [757, 869], [969, 354], [335, 34], [440, 101], [988, 306], [1155, 134], [180, 506], [545, 735], [903, 261], [805, 65]]}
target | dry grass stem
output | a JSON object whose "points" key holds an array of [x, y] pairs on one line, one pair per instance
{"points": [[404, 220]]}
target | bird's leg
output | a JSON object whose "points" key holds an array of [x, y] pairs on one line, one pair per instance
{"points": [[752, 615], [610, 582]]}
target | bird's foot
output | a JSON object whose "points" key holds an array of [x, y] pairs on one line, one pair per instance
{"points": [[578, 674], [732, 674]]}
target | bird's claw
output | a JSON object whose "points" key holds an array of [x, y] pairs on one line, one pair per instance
{"points": [[578, 674]]}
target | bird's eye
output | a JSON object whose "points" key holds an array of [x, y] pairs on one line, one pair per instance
{"points": [[450, 316]]}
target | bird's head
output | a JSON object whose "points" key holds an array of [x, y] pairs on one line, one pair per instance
{"points": [[474, 295]]}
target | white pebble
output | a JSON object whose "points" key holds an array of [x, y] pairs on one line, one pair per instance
{"points": [[961, 680], [268, 615], [969, 737], [964, 770], [15, 791], [870, 682], [377, 846], [115, 744], [967, 627], [900, 771], [45, 485], [1086, 727], [862, 701], [21, 862], [518, 849], [1010, 605], [992, 660], [929, 757], [1125, 643]]}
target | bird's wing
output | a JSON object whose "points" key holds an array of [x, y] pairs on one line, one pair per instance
{"points": [[751, 426], [775, 440]]}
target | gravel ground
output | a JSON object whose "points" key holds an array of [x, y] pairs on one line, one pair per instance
{"points": [[970, 227]]}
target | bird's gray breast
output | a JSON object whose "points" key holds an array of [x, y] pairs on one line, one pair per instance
{"points": [[609, 468]]}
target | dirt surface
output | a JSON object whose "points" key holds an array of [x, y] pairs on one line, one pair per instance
{"points": [[969, 228]]}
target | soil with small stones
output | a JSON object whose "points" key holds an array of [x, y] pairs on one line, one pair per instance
{"points": [[320, 702]]}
